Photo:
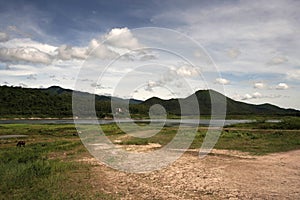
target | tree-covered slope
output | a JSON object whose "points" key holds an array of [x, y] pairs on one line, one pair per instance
{"points": [[205, 98], [57, 102]]}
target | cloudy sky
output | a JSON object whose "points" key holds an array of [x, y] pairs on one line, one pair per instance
{"points": [[248, 50]]}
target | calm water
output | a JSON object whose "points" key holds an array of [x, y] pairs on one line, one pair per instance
{"points": [[204, 122]]}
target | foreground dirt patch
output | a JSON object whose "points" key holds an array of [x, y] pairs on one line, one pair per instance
{"points": [[221, 175]]}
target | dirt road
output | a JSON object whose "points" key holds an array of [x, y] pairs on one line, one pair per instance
{"points": [[221, 175]]}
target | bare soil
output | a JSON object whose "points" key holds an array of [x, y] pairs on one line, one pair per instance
{"points": [[221, 175]]}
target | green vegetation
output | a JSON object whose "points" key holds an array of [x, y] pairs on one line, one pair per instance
{"points": [[57, 102], [47, 167], [254, 142], [259, 142], [205, 99], [243, 137], [285, 123]]}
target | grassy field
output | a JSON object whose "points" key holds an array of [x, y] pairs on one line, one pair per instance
{"points": [[256, 138], [48, 167], [286, 123]]}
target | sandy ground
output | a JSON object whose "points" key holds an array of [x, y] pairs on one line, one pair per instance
{"points": [[220, 175]]}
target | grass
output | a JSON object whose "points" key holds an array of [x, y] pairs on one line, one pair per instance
{"points": [[257, 138], [48, 167], [259, 143], [286, 123]]}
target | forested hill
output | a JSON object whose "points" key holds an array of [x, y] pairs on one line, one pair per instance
{"points": [[57, 102], [232, 107]]}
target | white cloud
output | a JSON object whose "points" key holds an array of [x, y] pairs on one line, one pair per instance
{"points": [[247, 96], [233, 53], [277, 60], [66, 52], [187, 71], [255, 95], [259, 85], [3, 37], [20, 50], [27, 42], [173, 76], [294, 74], [264, 33], [27, 50], [238, 20], [99, 50], [222, 81], [139, 55], [122, 38], [150, 85], [25, 54], [282, 86]]}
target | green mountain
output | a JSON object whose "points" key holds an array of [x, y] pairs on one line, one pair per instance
{"points": [[49, 102], [205, 99], [57, 102]]}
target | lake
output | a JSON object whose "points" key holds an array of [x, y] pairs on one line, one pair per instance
{"points": [[192, 122]]}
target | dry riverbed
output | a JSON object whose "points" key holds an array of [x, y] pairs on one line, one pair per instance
{"points": [[221, 175]]}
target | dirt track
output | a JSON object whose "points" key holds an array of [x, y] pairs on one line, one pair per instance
{"points": [[221, 175]]}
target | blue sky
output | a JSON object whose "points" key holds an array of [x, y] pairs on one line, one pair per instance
{"points": [[247, 49]]}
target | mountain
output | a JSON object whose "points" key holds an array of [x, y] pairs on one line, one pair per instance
{"points": [[50, 102], [56, 90], [203, 97], [57, 102]]}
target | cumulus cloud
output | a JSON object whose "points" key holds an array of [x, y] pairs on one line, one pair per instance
{"points": [[259, 85], [66, 52], [150, 85], [233, 53], [222, 81], [139, 55], [187, 71], [247, 96], [27, 50], [95, 48], [255, 95], [3, 37], [176, 71], [25, 54], [282, 86], [122, 38], [174, 76], [27, 42], [99, 50], [294, 74], [114, 39], [277, 60]]}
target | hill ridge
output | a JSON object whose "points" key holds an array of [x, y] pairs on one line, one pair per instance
{"points": [[56, 101]]}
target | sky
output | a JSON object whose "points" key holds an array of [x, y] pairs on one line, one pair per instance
{"points": [[248, 50]]}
